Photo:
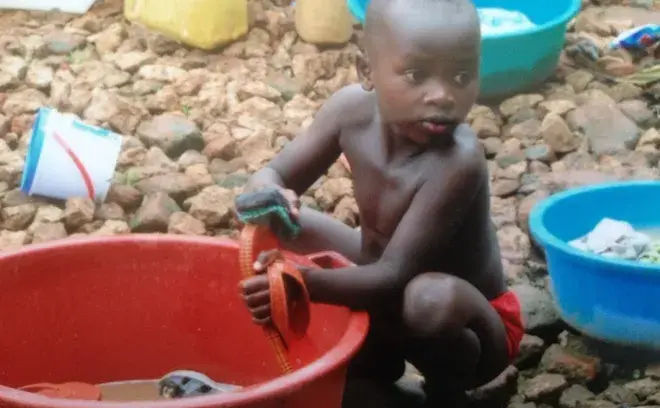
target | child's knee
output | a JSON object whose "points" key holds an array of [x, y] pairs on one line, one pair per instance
{"points": [[432, 305]]}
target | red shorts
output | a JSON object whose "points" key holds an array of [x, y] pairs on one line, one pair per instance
{"points": [[508, 307]]}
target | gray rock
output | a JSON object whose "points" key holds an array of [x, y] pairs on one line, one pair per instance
{"points": [[544, 386], [174, 134], [539, 311], [574, 396], [619, 395], [606, 128], [643, 388]]}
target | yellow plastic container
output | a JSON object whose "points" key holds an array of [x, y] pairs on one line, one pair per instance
{"points": [[204, 24], [324, 21]]}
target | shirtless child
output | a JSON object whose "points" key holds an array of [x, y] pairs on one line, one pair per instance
{"points": [[428, 264]]}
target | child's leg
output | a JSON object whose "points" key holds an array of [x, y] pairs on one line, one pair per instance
{"points": [[376, 359], [321, 232], [456, 338]]}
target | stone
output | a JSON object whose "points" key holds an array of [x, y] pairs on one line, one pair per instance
{"points": [[558, 107], [174, 134], [574, 366], [597, 404], [258, 89], [78, 211], [503, 211], [643, 388], [199, 174], [155, 157], [650, 138], [108, 40], [529, 129], [46, 232], [544, 386], [18, 217], [575, 396], [511, 153], [347, 211], [558, 135], [109, 211], [190, 158], [112, 227], [517, 103], [119, 112], [579, 80], [619, 394], [486, 127], [654, 399], [540, 152], [212, 206], [638, 111], [12, 240], [222, 147], [39, 75], [185, 224], [24, 101], [492, 146], [154, 213], [514, 243], [504, 187], [653, 371], [539, 311], [47, 214], [526, 205], [132, 61], [63, 43], [126, 196], [531, 350], [605, 127], [178, 186], [332, 191], [161, 73]]}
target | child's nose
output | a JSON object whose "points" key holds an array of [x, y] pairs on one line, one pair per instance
{"points": [[439, 96]]}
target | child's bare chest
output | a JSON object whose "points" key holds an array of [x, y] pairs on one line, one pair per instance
{"points": [[383, 191]]}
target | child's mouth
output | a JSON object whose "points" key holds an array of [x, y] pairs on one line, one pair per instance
{"points": [[436, 126]]}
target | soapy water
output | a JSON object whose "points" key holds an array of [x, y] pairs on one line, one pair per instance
{"points": [[498, 21], [139, 390]]}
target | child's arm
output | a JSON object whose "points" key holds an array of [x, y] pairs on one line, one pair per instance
{"points": [[434, 216], [306, 158]]}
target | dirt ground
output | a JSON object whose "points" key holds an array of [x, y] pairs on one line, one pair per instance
{"points": [[196, 124]]}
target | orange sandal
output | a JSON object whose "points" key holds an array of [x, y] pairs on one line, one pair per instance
{"points": [[289, 303]]}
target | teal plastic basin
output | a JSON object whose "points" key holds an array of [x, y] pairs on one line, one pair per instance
{"points": [[516, 62]]}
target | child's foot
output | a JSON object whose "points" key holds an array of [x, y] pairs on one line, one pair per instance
{"points": [[496, 393]]}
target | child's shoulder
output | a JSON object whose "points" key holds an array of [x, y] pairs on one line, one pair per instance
{"points": [[353, 105]]}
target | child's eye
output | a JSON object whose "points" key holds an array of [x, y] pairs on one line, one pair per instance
{"points": [[462, 78], [414, 76]]}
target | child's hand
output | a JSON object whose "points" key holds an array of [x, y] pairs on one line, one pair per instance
{"points": [[289, 197], [256, 290], [293, 200]]}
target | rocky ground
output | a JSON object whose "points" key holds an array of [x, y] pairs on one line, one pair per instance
{"points": [[197, 124]]}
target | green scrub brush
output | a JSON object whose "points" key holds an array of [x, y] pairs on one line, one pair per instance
{"points": [[268, 207]]}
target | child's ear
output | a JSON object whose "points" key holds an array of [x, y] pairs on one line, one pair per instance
{"points": [[363, 71]]}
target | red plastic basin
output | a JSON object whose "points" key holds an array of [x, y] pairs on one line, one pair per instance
{"points": [[139, 306]]}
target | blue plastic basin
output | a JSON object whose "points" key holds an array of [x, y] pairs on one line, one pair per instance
{"points": [[516, 62], [612, 300]]}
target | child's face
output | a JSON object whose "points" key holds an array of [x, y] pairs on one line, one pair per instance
{"points": [[425, 68]]}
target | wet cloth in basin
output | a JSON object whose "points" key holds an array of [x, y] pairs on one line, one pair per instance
{"points": [[495, 21]]}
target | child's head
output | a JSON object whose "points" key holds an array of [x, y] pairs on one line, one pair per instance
{"points": [[423, 62]]}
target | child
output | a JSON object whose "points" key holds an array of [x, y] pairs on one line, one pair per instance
{"points": [[428, 264]]}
